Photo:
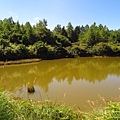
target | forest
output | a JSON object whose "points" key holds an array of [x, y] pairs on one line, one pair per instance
{"points": [[24, 41]]}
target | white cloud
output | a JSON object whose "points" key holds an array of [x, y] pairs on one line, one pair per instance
{"points": [[13, 15], [36, 18], [34, 21]]}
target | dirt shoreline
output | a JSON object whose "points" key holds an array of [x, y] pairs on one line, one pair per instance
{"points": [[22, 61]]}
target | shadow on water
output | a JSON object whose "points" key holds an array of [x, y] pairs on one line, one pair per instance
{"points": [[54, 72]]}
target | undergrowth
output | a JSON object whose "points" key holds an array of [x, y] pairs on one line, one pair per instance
{"points": [[21, 109]]}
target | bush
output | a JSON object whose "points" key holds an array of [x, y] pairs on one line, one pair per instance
{"points": [[102, 49], [62, 40]]}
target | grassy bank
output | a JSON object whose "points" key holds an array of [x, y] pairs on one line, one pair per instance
{"points": [[23, 61], [21, 109]]}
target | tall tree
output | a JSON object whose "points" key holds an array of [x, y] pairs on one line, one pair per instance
{"points": [[7, 27], [42, 23], [58, 29], [70, 32], [16, 27], [69, 29], [76, 32], [27, 37], [63, 32]]}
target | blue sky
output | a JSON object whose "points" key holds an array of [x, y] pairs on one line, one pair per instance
{"points": [[78, 12]]}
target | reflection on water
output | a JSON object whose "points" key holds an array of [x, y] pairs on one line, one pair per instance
{"points": [[80, 78]]}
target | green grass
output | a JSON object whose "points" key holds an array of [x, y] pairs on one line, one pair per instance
{"points": [[21, 109]]}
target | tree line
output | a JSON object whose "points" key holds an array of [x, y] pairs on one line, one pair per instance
{"points": [[18, 41]]}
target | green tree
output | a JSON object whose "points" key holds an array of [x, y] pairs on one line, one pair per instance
{"points": [[15, 38], [7, 26], [61, 52], [64, 32], [27, 38], [41, 50], [62, 40], [1, 27], [16, 27], [42, 23], [76, 33], [58, 29], [71, 33], [69, 30], [102, 49], [92, 35], [41, 33]]}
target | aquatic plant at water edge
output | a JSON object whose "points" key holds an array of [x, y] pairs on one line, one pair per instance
{"points": [[21, 109]]}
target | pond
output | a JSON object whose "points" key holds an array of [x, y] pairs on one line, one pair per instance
{"points": [[80, 82]]}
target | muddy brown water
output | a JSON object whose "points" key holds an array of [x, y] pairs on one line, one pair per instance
{"points": [[80, 82]]}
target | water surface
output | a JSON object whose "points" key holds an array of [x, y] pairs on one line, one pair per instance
{"points": [[74, 81]]}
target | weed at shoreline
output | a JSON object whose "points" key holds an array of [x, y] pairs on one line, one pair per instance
{"points": [[21, 109]]}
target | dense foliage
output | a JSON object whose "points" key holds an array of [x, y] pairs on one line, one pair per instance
{"points": [[25, 41]]}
